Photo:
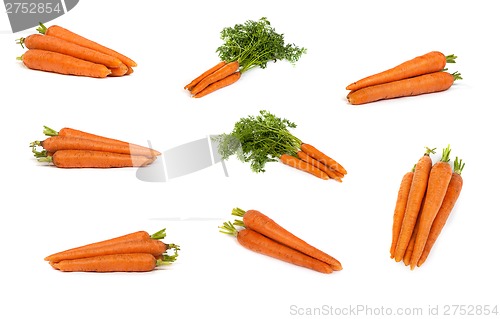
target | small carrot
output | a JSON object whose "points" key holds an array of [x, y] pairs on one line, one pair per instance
{"points": [[119, 71], [399, 210], [431, 62], [331, 173], [70, 36], [134, 262], [228, 80], [54, 62], [415, 196], [204, 75], [137, 235], [303, 166], [220, 74], [58, 143], [95, 159], [451, 197], [54, 44], [261, 244], [67, 131], [439, 179], [264, 225], [423, 84], [322, 158]]}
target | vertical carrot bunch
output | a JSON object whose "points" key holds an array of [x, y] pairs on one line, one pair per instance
{"points": [[72, 148], [261, 234], [62, 51], [133, 252], [420, 75], [426, 198]]}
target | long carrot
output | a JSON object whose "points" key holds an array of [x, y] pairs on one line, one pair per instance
{"points": [[416, 194], [95, 159], [433, 61], [439, 178], [264, 225], [303, 166], [135, 262], [58, 143], [322, 158], [411, 243], [228, 80], [331, 173], [54, 44], [261, 244], [423, 84], [399, 210], [220, 74], [67, 131], [451, 197], [49, 61], [204, 75], [70, 36], [137, 235]]}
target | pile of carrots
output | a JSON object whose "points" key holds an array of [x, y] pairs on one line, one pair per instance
{"points": [[425, 200], [133, 252], [263, 235], [62, 51], [71, 148], [420, 75]]}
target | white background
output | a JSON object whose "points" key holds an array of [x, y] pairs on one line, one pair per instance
{"points": [[45, 209]]}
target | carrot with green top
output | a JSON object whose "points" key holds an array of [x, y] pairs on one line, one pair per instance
{"points": [[439, 178], [431, 62], [95, 159]]}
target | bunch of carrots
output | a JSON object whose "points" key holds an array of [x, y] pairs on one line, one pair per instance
{"points": [[72, 148], [261, 234], [133, 252], [425, 200], [420, 75], [62, 51]]}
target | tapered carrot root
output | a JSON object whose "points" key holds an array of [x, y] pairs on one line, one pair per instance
{"points": [[423, 84], [220, 74], [95, 159], [331, 173], [139, 262], [322, 158], [54, 62], [399, 210], [204, 75], [121, 70], [303, 166], [228, 80]]}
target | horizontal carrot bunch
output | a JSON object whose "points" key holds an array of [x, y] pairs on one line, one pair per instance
{"points": [[266, 138], [420, 75], [133, 252], [426, 198], [263, 235], [71, 148], [62, 51], [246, 46]]}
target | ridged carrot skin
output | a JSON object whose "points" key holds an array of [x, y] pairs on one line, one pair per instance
{"points": [[399, 210], [54, 62], [96, 159], [139, 262], [433, 61]]}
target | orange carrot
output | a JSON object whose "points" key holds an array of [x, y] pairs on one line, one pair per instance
{"points": [[415, 196], [399, 210], [331, 173], [62, 33], [322, 158], [48, 61], [439, 178], [138, 235], [264, 225], [303, 166], [204, 75], [431, 62], [228, 80], [423, 84], [67, 131], [95, 159], [411, 243], [58, 143], [220, 74], [48, 43], [261, 244], [451, 197], [134, 262], [119, 71]]}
